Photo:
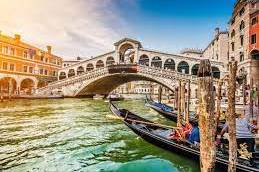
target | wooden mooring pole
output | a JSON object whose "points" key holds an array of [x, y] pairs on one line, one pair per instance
{"points": [[207, 119]]}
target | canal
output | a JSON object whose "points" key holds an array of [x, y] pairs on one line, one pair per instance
{"points": [[77, 135]]}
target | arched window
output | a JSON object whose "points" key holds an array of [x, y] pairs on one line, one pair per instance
{"points": [[215, 72], [144, 60], [169, 64], [89, 67], [242, 25], [110, 61], [233, 33], [195, 69], [71, 73], [80, 70], [62, 75], [156, 62], [99, 64], [183, 67]]}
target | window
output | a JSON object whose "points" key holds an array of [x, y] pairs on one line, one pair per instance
{"points": [[5, 65], [217, 56], [41, 71], [46, 60], [11, 67], [254, 20], [242, 25], [25, 54], [41, 58], [233, 33], [25, 68], [253, 39], [241, 57], [46, 72], [242, 40], [12, 51], [241, 12], [233, 46], [5, 50], [54, 73], [31, 69]]}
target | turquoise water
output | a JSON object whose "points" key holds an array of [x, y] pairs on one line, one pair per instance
{"points": [[77, 135]]}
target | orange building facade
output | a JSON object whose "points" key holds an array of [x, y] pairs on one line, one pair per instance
{"points": [[24, 67]]}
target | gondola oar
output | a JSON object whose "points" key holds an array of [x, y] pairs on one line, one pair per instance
{"points": [[143, 122]]}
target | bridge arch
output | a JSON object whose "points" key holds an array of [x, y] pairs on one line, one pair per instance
{"points": [[183, 67], [144, 60], [62, 75], [156, 62], [104, 84], [110, 61], [215, 72], [80, 70], [8, 85], [71, 72], [89, 67], [169, 64], [195, 69], [99, 64], [126, 52]]}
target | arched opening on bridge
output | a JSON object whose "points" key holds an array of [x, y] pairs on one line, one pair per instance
{"points": [[8, 86], [71, 73], [42, 83], [62, 75], [255, 55], [215, 72], [27, 86], [89, 67], [80, 70], [156, 62], [110, 61], [195, 69], [169, 64], [126, 53], [144, 60], [99, 64], [183, 67]]}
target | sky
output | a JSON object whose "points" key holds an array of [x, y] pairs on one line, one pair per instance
{"points": [[88, 28]]}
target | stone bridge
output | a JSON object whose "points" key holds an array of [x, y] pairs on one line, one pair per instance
{"points": [[129, 62]]}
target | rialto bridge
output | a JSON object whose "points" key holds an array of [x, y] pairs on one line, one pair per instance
{"points": [[128, 62]]}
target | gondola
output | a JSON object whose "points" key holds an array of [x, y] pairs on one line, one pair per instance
{"points": [[169, 112], [157, 135]]}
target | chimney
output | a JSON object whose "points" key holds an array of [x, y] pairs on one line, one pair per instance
{"points": [[49, 49], [17, 37], [216, 32]]}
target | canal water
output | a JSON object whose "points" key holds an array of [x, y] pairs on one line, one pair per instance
{"points": [[77, 135]]}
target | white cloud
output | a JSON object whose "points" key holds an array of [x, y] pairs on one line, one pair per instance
{"points": [[72, 27]]}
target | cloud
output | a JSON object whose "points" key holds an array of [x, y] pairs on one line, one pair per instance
{"points": [[73, 27]]}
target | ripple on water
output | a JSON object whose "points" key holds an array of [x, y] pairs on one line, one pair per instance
{"points": [[76, 135]]}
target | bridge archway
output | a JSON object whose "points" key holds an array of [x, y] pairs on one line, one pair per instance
{"points": [[156, 62], [71, 72], [126, 53], [89, 67], [195, 69], [99, 64], [27, 86], [144, 60], [80, 70], [106, 84], [110, 61], [62, 75], [169, 64], [183, 67], [215, 72]]}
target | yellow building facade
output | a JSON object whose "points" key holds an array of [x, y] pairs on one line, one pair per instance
{"points": [[23, 67]]}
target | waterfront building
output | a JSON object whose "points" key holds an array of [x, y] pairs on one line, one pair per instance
{"points": [[217, 49], [243, 38], [24, 67], [67, 63]]}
